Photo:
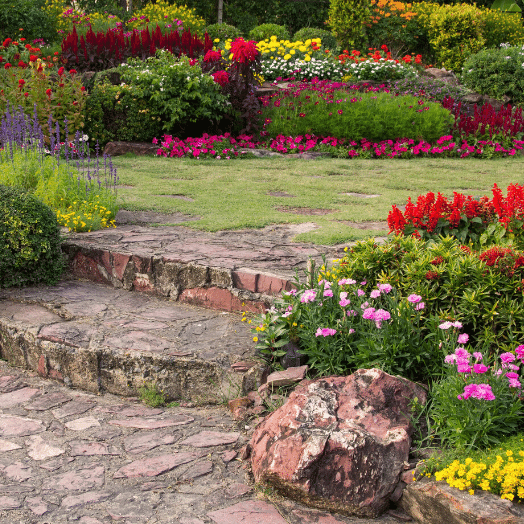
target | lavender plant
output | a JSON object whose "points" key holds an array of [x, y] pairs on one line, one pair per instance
{"points": [[81, 188]]}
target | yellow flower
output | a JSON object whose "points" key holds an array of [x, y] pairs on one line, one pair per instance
{"points": [[255, 339]]}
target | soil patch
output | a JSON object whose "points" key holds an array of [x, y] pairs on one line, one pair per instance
{"points": [[179, 197], [280, 194], [367, 226], [305, 210], [151, 217]]}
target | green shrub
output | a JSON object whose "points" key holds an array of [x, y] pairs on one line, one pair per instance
{"points": [[29, 240], [454, 31], [115, 112], [497, 73], [161, 95], [327, 38], [347, 19], [375, 116], [222, 32], [502, 27], [453, 282], [264, 31], [26, 15]]}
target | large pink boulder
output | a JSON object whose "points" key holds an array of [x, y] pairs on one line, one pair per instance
{"points": [[339, 443]]}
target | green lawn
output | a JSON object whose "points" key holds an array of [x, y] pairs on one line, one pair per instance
{"points": [[236, 194]]}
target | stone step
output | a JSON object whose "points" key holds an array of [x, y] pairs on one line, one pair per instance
{"points": [[100, 339], [229, 270]]}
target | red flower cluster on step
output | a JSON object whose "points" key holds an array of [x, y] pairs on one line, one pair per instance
{"points": [[428, 210]]}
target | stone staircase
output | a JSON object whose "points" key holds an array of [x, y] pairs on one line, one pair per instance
{"points": [[160, 306]]}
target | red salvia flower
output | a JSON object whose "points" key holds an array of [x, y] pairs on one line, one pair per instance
{"points": [[221, 77], [243, 51]]}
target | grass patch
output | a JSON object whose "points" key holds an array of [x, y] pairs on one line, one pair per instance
{"points": [[151, 395], [235, 195]]}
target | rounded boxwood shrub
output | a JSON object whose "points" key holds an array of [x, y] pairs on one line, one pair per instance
{"points": [[327, 38], [496, 72], [222, 32], [264, 31], [29, 240]]}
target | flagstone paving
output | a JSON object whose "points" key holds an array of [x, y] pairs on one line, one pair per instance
{"points": [[71, 456]]}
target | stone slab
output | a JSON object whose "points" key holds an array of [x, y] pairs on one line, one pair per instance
{"points": [[12, 426], [9, 400], [150, 423], [152, 467], [252, 511], [206, 439]]}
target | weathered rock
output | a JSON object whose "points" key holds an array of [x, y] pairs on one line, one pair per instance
{"points": [[440, 74], [339, 443], [431, 502], [255, 377], [235, 403], [287, 377]]}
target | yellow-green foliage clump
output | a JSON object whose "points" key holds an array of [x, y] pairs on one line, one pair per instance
{"points": [[164, 15], [454, 31], [501, 27], [347, 19]]}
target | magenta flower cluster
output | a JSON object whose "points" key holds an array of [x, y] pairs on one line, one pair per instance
{"points": [[478, 391], [472, 369], [208, 146], [325, 332], [226, 147]]}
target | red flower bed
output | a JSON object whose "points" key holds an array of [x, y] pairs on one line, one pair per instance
{"points": [[463, 216], [100, 51], [486, 122]]}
